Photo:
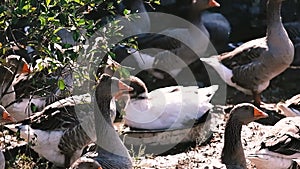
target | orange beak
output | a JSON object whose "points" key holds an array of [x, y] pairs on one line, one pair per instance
{"points": [[260, 114], [122, 88], [213, 3], [25, 68], [6, 116]]}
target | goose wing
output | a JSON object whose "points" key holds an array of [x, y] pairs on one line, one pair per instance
{"points": [[244, 54], [285, 137], [158, 41], [59, 115]]}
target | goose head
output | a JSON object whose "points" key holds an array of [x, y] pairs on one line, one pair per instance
{"points": [[5, 117], [139, 88], [233, 153], [110, 87], [245, 113]]}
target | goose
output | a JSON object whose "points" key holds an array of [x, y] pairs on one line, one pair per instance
{"points": [[169, 107], [179, 41], [110, 151], [250, 67], [280, 145], [290, 107], [53, 130], [21, 108], [172, 41], [5, 117], [232, 153]]}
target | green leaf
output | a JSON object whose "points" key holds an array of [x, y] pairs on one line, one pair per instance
{"points": [[124, 72], [126, 12], [48, 2], [26, 7], [42, 20], [61, 84], [33, 107]]}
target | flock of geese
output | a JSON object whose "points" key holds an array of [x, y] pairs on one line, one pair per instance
{"points": [[58, 133]]}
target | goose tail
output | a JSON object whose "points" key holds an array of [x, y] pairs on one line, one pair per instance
{"points": [[208, 92], [25, 131], [224, 72]]}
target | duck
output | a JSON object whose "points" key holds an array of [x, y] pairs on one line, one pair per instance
{"points": [[250, 67], [5, 117], [110, 151], [170, 107], [232, 153], [290, 107], [279, 146], [54, 129]]}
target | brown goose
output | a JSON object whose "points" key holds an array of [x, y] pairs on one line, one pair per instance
{"points": [[280, 145], [53, 130], [21, 108], [179, 41], [111, 152], [251, 66], [233, 154]]}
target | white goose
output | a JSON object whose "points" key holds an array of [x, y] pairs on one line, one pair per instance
{"points": [[280, 145], [251, 66], [169, 107]]}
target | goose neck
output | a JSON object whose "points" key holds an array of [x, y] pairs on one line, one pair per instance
{"points": [[107, 137], [273, 13], [138, 6], [233, 152]]}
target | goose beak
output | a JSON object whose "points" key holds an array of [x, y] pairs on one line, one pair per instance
{"points": [[122, 89], [6, 116], [213, 3], [258, 114], [25, 68]]}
